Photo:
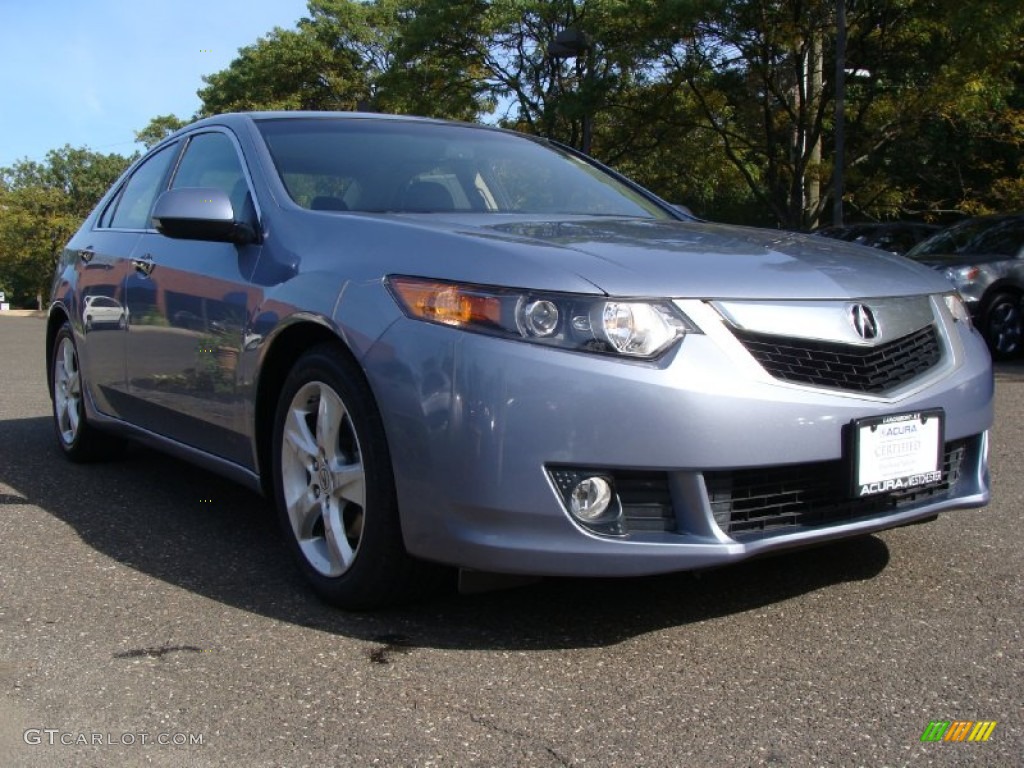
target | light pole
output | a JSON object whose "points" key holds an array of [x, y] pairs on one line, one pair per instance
{"points": [[840, 149], [571, 44]]}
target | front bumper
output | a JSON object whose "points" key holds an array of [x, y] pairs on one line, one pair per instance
{"points": [[476, 424]]}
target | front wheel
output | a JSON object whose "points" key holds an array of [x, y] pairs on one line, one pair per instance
{"points": [[1003, 326], [334, 485]]}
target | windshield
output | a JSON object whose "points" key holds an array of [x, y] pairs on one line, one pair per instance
{"points": [[372, 165], [976, 237]]}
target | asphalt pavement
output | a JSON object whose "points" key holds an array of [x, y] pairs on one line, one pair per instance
{"points": [[149, 615]]}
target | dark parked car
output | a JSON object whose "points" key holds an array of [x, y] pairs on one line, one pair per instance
{"points": [[436, 343], [893, 236], [984, 259]]}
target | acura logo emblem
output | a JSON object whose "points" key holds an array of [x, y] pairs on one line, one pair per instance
{"points": [[863, 320]]}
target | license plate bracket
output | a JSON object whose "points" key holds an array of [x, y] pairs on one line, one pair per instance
{"points": [[897, 452]]}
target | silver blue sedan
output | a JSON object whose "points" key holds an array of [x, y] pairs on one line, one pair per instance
{"points": [[437, 344]]}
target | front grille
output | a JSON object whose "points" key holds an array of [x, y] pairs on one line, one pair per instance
{"points": [[646, 501], [845, 366], [750, 503]]}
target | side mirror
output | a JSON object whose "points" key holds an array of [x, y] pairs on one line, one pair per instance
{"points": [[200, 213]]}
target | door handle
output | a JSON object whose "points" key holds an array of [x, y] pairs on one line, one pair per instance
{"points": [[144, 264], [87, 254]]}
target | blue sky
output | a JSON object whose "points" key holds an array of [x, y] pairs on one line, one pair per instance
{"points": [[92, 72]]}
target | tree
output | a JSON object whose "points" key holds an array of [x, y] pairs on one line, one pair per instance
{"points": [[288, 69], [955, 91], [41, 206], [500, 54], [656, 135], [158, 129], [79, 174], [752, 66], [728, 105], [34, 226], [476, 60], [343, 57]]}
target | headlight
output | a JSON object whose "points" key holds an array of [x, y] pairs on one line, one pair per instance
{"points": [[957, 308], [961, 276], [635, 328]]}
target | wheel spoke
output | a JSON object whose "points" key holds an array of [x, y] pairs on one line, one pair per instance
{"points": [[298, 437], [62, 416], [349, 484], [1006, 327], [330, 413], [73, 417], [339, 550], [303, 510], [68, 353]]}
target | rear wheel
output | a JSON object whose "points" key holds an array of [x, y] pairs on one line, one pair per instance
{"points": [[79, 440], [334, 486], [1003, 326]]}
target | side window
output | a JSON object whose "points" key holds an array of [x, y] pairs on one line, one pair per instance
{"points": [[140, 192], [211, 161], [108, 212], [1003, 239]]}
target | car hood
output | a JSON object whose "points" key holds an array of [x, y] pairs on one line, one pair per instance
{"points": [[698, 259], [620, 257]]}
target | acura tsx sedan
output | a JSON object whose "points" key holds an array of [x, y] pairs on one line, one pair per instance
{"points": [[436, 344]]}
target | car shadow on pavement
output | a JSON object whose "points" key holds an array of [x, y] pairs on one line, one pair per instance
{"points": [[1009, 370], [194, 530]]}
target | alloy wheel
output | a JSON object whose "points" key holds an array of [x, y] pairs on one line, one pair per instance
{"points": [[67, 391], [323, 479], [1005, 327]]}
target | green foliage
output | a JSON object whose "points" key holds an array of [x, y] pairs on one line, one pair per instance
{"points": [[727, 106], [937, 126], [41, 206], [159, 128], [80, 175], [34, 225], [302, 69]]}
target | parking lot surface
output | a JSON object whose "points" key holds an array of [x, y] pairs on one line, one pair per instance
{"points": [[149, 615]]}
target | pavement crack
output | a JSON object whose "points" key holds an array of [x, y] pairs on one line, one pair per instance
{"points": [[515, 732], [157, 653]]}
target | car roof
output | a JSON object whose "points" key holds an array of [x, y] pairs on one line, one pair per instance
{"points": [[237, 118]]}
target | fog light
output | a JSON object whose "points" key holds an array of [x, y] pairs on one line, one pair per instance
{"points": [[590, 499]]}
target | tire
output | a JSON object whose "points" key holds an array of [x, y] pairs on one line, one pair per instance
{"points": [[334, 486], [77, 438], [1003, 326]]}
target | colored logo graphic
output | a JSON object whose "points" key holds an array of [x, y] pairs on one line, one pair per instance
{"points": [[958, 730]]}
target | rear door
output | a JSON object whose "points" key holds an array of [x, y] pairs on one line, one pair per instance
{"points": [[102, 269]]}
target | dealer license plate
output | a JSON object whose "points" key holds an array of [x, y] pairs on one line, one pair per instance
{"points": [[896, 453]]}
